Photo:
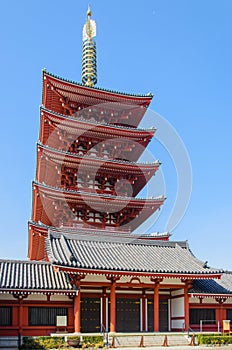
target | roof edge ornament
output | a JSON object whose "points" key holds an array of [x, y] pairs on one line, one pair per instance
{"points": [[89, 53]]}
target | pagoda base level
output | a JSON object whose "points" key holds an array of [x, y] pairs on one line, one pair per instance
{"points": [[134, 317]]}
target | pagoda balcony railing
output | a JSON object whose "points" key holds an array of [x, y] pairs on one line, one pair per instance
{"points": [[87, 227], [95, 190], [94, 157], [104, 195]]}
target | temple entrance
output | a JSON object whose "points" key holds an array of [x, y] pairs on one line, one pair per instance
{"points": [[90, 315], [163, 315], [128, 315]]}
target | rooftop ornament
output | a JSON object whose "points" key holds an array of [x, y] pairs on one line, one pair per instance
{"points": [[89, 65]]}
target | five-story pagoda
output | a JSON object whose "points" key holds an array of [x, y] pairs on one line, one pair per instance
{"points": [[87, 176], [85, 262]]}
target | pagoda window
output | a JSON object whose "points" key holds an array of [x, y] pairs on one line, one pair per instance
{"points": [[5, 316], [45, 316], [229, 314], [207, 316]]}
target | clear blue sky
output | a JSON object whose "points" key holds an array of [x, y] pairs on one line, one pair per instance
{"points": [[180, 50]]}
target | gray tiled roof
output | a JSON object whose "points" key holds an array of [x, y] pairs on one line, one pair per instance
{"points": [[16, 275], [222, 286], [126, 254]]}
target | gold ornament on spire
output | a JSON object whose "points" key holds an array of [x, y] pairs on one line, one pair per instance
{"points": [[89, 13], [89, 62]]}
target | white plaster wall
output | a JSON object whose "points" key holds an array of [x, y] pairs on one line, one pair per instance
{"points": [[59, 298], [209, 301], [37, 297], [177, 307], [194, 300], [177, 324], [6, 297], [95, 278], [175, 281], [177, 292]]}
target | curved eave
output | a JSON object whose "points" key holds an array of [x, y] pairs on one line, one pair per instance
{"points": [[79, 123], [45, 291], [43, 229], [210, 295], [102, 92], [134, 211], [36, 242], [117, 273], [74, 195], [53, 159], [73, 160]]}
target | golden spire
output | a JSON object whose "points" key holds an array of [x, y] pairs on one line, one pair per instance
{"points": [[89, 13], [89, 65]]}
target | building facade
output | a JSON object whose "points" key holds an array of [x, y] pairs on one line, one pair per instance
{"points": [[85, 263]]}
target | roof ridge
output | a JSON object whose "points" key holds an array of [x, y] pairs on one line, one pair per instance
{"points": [[97, 88], [113, 238], [26, 261]]}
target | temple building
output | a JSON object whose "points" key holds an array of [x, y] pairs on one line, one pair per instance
{"points": [[85, 262]]}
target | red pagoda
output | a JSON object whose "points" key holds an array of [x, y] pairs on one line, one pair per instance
{"points": [[88, 176], [86, 264]]}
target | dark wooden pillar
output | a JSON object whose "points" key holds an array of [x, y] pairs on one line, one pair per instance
{"points": [[144, 312], [103, 311]]}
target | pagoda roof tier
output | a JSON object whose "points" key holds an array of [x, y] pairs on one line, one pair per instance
{"points": [[61, 132], [110, 255], [56, 207], [68, 97], [68, 170], [93, 123], [37, 234]]}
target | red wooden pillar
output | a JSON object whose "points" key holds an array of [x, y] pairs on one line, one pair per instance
{"points": [[186, 305], [113, 306], [20, 314], [71, 318], [75, 279], [220, 311], [77, 310], [156, 307]]}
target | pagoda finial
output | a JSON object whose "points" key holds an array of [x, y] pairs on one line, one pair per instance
{"points": [[89, 65], [89, 13]]}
